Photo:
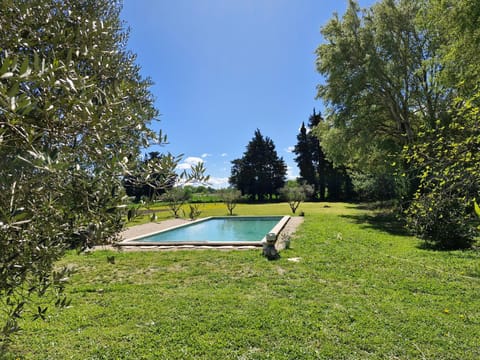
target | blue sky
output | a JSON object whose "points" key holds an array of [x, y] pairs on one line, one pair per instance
{"points": [[223, 68]]}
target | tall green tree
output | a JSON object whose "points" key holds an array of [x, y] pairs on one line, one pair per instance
{"points": [[382, 84], [260, 173], [448, 156], [74, 114], [402, 91], [323, 168], [304, 157], [314, 167]]}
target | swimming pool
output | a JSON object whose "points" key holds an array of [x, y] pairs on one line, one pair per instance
{"points": [[238, 230]]}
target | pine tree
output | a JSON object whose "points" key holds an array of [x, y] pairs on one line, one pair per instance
{"points": [[260, 173]]}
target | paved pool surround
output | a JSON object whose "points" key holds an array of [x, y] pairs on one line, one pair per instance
{"points": [[134, 241]]}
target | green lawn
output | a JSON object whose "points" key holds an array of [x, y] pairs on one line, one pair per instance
{"points": [[361, 289], [219, 209]]}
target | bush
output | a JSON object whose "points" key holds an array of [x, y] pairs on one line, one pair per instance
{"points": [[442, 221]]}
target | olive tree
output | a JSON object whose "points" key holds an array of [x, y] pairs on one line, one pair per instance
{"points": [[230, 198], [295, 194], [175, 199], [74, 116]]}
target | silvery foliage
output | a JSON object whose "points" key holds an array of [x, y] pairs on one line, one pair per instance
{"points": [[74, 117]]}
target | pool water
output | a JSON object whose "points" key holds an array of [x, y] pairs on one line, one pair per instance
{"points": [[218, 229]]}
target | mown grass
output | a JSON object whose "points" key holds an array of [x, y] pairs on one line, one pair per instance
{"points": [[361, 289], [219, 209]]}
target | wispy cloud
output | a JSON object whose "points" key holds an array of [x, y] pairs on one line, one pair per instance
{"points": [[224, 155], [205, 155], [290, 149]]}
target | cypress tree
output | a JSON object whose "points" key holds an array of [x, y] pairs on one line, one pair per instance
{"points": [[315, 169]]}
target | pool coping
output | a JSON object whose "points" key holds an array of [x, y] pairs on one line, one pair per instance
{"points": [[276, 229]]}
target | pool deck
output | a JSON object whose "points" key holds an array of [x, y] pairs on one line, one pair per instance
{"points": [[144, 229]]}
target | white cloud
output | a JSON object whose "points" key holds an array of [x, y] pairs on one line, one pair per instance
{"points": [[189, 162], [290, 149], [224, 155], [292, 173], [206, 155], [218, 182]]}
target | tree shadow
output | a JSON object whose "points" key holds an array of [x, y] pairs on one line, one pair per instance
{"points": [[385, 221]]}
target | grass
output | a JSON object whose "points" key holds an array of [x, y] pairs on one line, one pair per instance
{"points": [[361, 289], [216, 209]]}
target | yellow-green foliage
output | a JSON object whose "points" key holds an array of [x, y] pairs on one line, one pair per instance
{"points": [[447, 159]]}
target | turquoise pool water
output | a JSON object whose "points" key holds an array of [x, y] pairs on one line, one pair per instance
{"points": [[217, 229]]}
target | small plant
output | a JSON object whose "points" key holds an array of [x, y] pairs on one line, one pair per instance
{"points": [[175, 199], [194, 211], [133, 212], [286, 240], [154, 217]]}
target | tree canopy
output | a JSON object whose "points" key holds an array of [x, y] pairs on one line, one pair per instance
{"points": [[310, 158], [448, 162], [382, 83], [260, 173]]}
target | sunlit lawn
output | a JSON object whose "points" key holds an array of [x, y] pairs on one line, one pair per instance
{"points": [[214, 209], [219, 209], [360, 289]]}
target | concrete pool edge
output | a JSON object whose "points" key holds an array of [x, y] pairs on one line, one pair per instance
{"points": [[131, 241]]}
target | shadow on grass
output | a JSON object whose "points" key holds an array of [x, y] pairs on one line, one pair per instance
{"points": [[387, 222]]}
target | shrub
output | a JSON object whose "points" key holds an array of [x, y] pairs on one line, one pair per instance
{"points": [[442, 221], [194, 211], [175, 199]]}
